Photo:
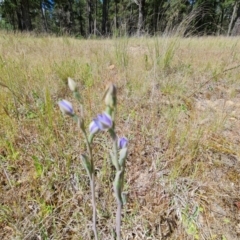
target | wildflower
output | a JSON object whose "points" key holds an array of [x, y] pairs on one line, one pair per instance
{"points": [[101, 123], [66, 107], [105, 121], [72, 84]]}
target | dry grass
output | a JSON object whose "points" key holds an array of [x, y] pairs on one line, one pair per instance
{"points": [[177, 105]]}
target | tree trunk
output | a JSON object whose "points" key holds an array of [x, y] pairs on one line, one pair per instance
{"points": [[26, 19], [95, 18], [230, 27], [116, 16], [104, 17], [19, 16], [236, 22], [71, 18], [156, 15], [90, 19], [13, 21], [44, 19], [141, 4], [81, 21], [221, 20]]}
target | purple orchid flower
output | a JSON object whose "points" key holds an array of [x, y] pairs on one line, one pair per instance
{"points": [[105, 121], [66, 107], [101, 123]]}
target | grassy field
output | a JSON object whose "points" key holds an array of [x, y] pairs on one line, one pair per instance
{"points": [[179, 106]]}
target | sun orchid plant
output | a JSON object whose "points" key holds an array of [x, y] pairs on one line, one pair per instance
{"points": [[103, 122]]}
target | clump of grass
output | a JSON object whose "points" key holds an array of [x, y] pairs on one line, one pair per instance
{"points": [[121, 51]]}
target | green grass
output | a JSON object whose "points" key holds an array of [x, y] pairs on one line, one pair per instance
{"points": [[178, 104]]}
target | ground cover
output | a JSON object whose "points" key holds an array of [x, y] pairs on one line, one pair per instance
{"points": [[179, 106]]}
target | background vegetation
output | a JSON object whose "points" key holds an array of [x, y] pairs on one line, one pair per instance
{"points": [[178, 106], [85, 18]]}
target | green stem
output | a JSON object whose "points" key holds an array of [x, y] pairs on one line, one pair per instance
{"points": [[118, 183], [115, 149], [118, 221], [92, 179], [94, 216], [118, 190]]}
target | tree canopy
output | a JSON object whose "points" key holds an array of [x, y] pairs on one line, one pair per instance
{"points": [[84, 18]]}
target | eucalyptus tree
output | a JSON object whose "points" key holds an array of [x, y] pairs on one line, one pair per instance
{"points": [[108, 17], [141, 15], [23, 14], [17, 12], [235, 16]]}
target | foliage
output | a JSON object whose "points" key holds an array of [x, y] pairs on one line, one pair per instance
{"points": [[108, 17]]}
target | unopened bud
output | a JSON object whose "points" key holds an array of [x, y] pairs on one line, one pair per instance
{"points": [[111, 96], [72, 84], [122, 142], [66, 107]]}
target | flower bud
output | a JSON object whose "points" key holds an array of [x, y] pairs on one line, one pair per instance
{"points": [[66, 107], [72, 84], [122, 142], [111, 96]]}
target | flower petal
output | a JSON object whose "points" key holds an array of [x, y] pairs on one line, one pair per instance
{"points": [[105, 120], [93, 127]]}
